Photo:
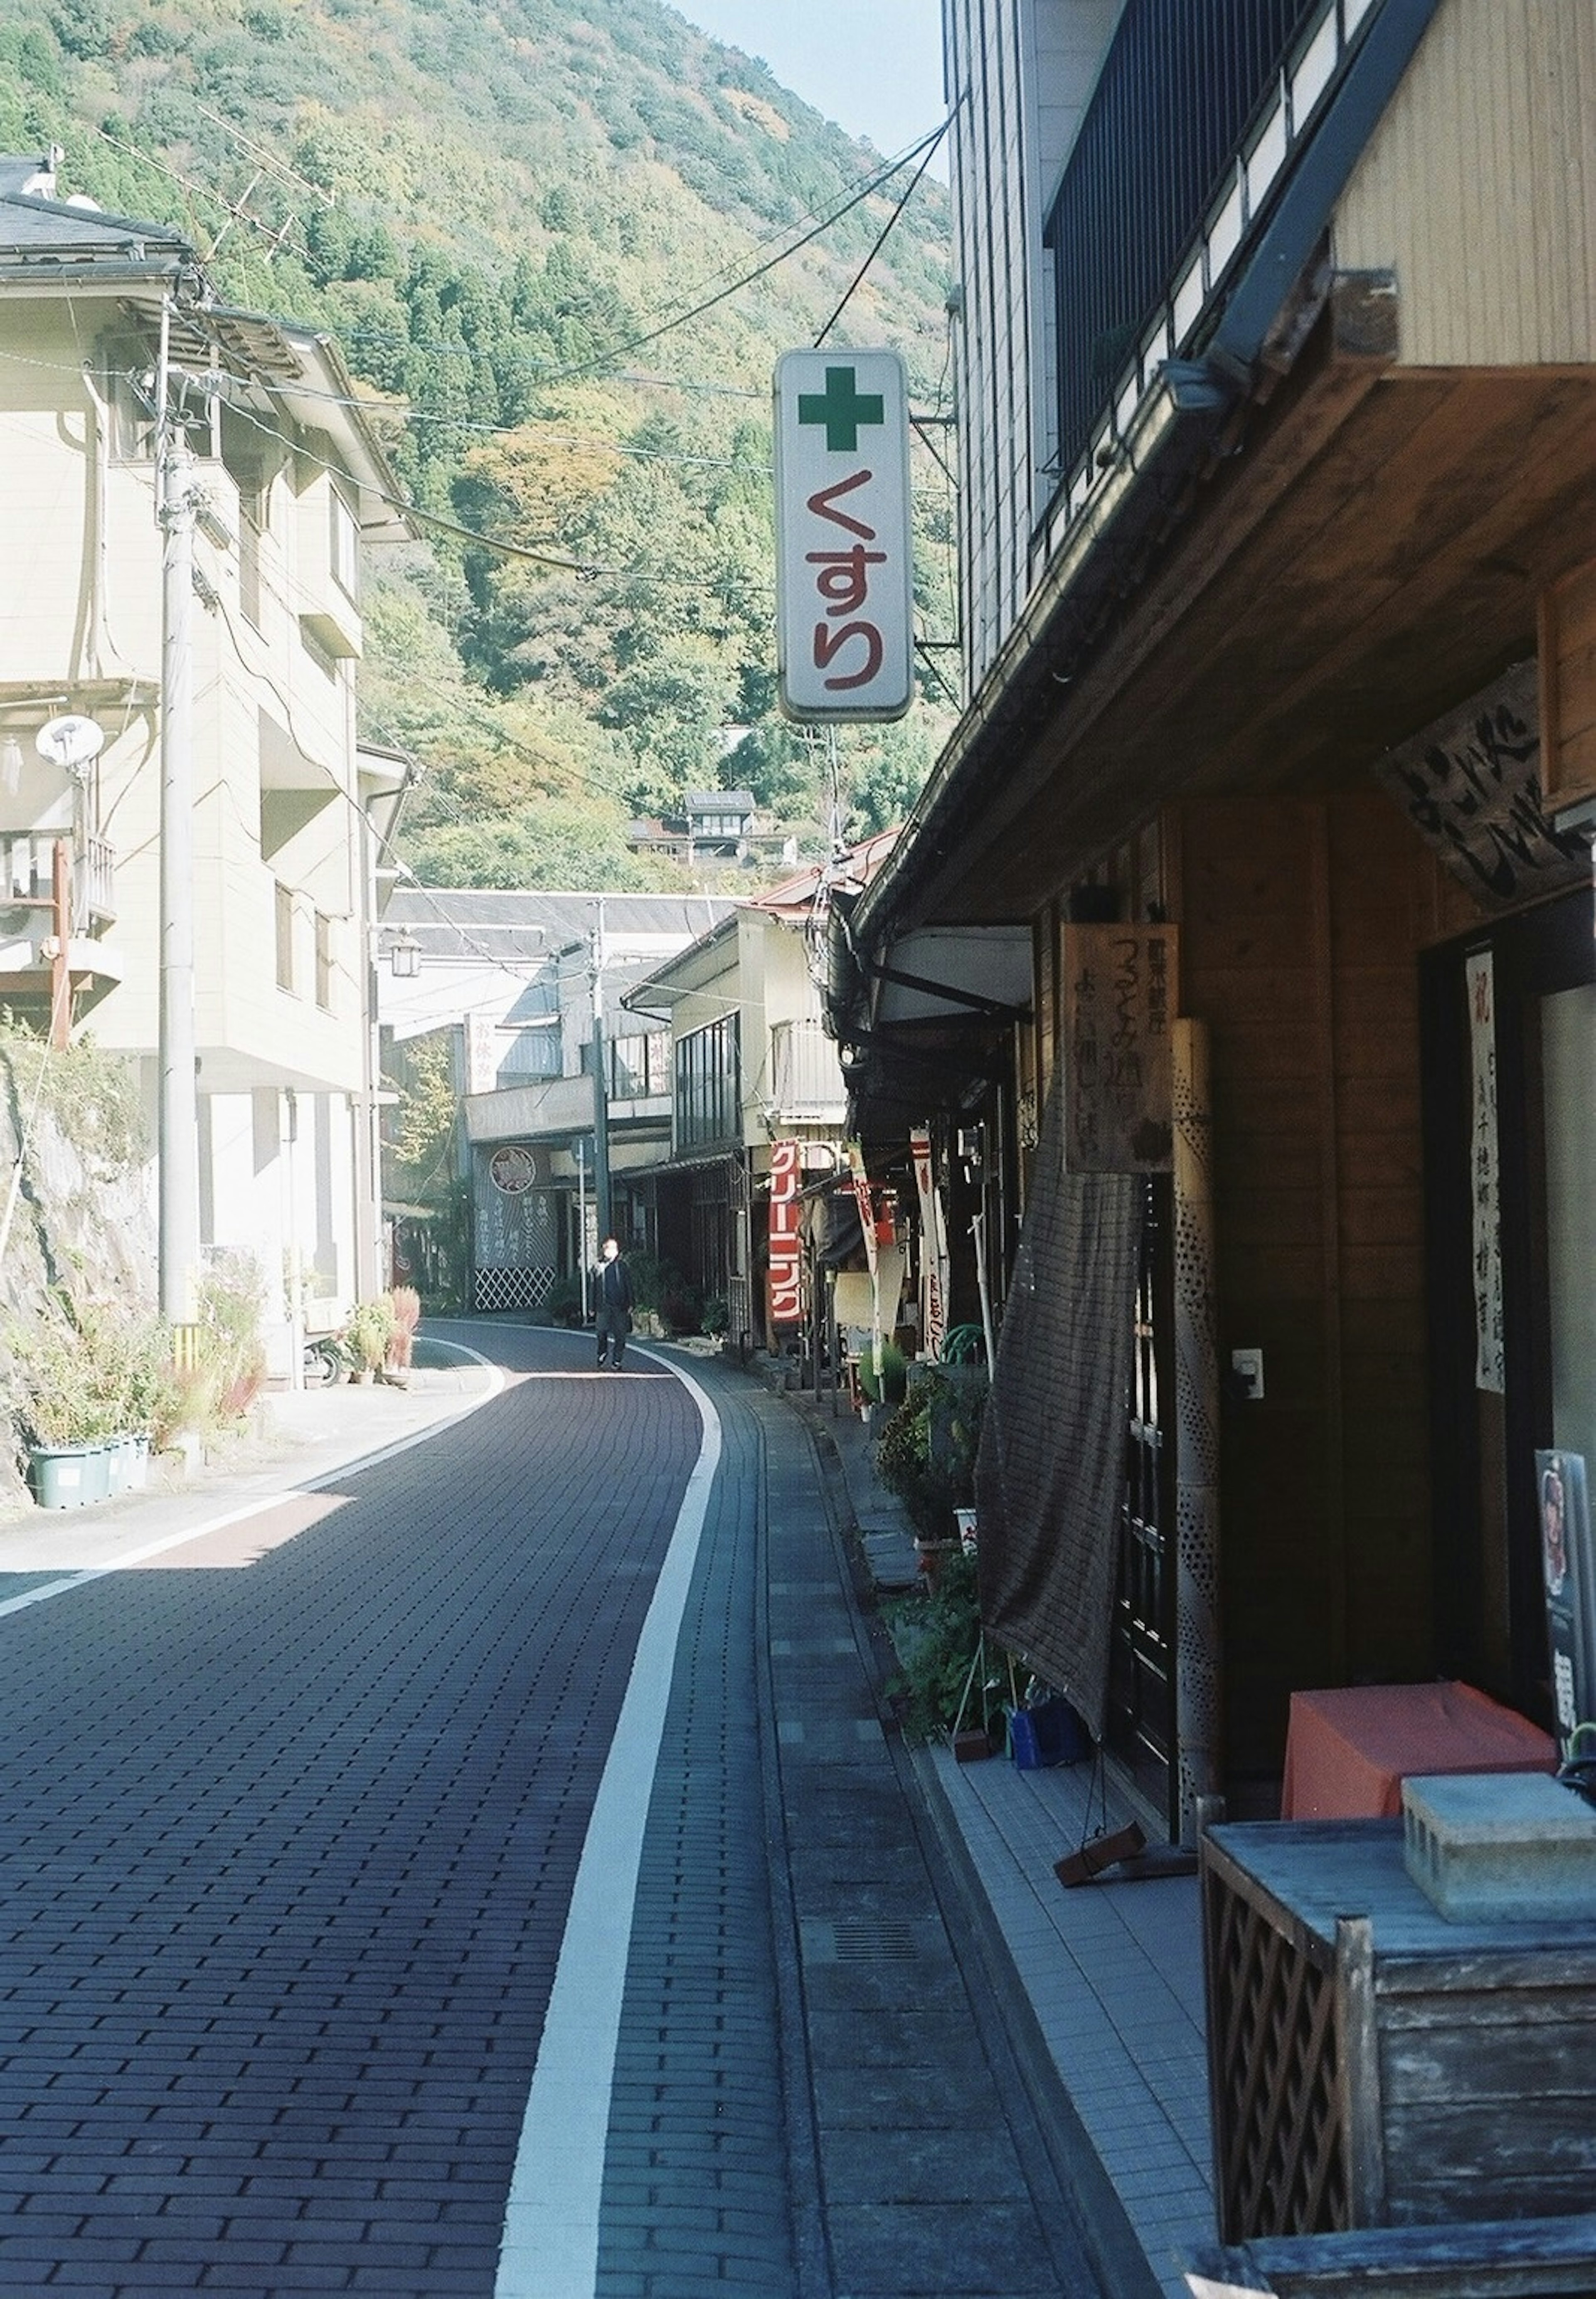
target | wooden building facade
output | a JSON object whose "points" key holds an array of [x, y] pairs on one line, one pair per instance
{"points": [[1305, 670]]}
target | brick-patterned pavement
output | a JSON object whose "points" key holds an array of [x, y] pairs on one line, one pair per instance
{"points": [[289, 1822], [285, 1853]]}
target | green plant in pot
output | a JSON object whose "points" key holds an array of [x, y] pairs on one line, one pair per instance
{"points": [[370, 1335], [54, 1395], [927, 1453], [937, 1637]]}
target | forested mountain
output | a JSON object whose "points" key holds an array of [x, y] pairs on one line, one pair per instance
{"points": [[523, 221]]}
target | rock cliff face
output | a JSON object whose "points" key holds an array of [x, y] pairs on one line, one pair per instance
{"points": [[74, 1155]]}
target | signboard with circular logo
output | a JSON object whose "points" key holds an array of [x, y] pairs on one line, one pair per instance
{"points": [[511, 1169]]}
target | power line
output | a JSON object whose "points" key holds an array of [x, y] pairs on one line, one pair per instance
{"points": [[881, 236]]}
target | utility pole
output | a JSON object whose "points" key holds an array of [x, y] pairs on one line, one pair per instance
{"points": [[178, 1123], [601, 1085]]}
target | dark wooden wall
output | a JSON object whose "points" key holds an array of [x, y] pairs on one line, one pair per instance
{"points": [[1301, 926]]}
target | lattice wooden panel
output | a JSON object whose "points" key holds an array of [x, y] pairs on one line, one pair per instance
{"points": [[1279, 2141], [512, 1289]]}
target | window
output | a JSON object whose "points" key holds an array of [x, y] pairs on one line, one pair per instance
{"points": [[708, 1090], [640, 1065], [533, 1052], [344, 552], [285, 938], [254, 508], [129, 384]]}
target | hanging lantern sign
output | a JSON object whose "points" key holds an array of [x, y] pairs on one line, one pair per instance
{"points": [[844, 574], [787, 1287]]}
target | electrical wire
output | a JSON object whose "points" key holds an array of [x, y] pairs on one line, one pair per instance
{"points": [[748, 278], [914, 184]]}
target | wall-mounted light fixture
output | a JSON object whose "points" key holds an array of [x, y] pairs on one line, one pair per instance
{"points": [[405, 956]]}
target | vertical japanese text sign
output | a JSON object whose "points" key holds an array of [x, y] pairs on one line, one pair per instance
{"points": [[786, 1295], [1120, 994], [844, 577]]}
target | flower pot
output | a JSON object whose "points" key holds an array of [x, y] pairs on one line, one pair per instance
{"points": [[66, 1476], [929, 1556]]}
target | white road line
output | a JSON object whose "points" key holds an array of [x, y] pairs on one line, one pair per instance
{"points": [[349, 1469], [550, 2248]]}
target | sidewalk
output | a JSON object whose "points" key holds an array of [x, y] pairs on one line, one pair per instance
{"points": [[1112, 1971]]}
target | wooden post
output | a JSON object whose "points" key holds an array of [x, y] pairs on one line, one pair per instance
{"points": [[1358, 2053]]}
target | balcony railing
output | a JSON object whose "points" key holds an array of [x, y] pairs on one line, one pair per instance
{"points": [[1197, 114], [27, 875], [93, 884], [806, 1078]]}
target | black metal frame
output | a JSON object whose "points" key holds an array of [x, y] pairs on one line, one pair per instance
{"points": [[1177, 90]]}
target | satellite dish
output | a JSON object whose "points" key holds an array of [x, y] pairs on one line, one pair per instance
{"points": [[70, 741]]}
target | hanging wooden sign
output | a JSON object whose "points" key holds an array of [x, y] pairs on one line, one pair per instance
{"points": [[1121, 996]]}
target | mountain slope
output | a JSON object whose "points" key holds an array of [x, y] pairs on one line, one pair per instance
{"points": [[503, 212]]}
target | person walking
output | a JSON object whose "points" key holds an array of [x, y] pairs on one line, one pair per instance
{"points": [[612, 1306]]}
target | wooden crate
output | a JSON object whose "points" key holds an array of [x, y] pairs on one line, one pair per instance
{"points": [[1371, 2065], [1480, 2258]]}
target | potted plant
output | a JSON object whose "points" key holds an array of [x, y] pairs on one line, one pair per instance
{"points": [[406, 1305], [59, 1404], [368, 1335], [927, 1455]]}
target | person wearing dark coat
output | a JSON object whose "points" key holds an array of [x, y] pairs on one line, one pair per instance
{"points": [[612, 1306]]}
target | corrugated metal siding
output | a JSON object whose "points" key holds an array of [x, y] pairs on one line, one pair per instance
{"points": [[1479, 188]]}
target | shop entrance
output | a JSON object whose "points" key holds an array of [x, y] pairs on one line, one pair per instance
{"points": [[1510, 1153]]}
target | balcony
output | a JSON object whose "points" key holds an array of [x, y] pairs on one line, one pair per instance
{"points": [[26, 877], [28, 925], [806, 1078], [1198, 119]]}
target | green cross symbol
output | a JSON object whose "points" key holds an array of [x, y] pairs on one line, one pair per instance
{"points": [[842, 408]]}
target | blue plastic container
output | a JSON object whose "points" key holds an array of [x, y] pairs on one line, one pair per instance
{"points": [[1050, 1733]]}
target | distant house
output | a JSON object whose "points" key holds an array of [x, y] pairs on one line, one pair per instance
{"points": [[507, 981], [750, 1064], [713, 826], [98, 315]]}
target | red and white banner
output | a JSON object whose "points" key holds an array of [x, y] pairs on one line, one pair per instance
{"points": [[933, 1248], [787, 1259]]}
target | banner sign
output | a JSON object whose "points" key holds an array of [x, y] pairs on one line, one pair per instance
{"points": [[1569, 1569], [786, 1265], [933, 1248], [864, 1199], [1119, 1005], [1485, 1177], [844, 553]]}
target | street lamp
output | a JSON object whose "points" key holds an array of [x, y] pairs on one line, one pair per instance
{"points": [[405, 956]]}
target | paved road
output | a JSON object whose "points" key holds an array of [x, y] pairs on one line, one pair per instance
{"points": [[285, 1855], [292, 1822]]}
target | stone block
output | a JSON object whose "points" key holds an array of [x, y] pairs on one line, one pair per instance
{"points": [[1494, 1847]]}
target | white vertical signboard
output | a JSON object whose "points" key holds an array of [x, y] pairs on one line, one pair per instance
{"points": [[844, 575]]}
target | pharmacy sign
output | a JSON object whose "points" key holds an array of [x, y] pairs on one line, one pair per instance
{"points": [[844, 572]]}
